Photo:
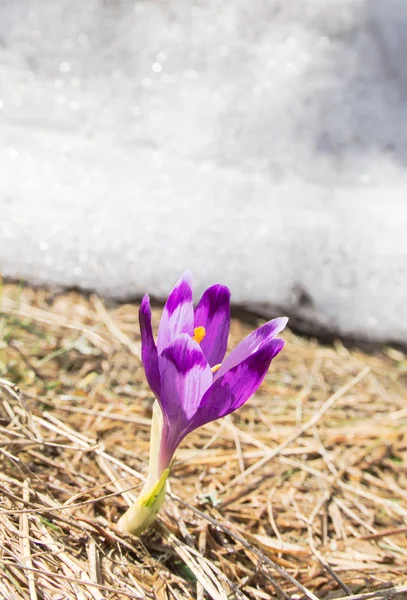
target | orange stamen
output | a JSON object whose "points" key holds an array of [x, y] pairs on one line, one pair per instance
{"points": [[199, 334], [216, 368]]}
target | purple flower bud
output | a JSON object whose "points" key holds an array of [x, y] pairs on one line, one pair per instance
{"points": [[193, 382]]}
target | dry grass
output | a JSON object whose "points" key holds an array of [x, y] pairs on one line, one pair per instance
{"points": [[301, 493]]}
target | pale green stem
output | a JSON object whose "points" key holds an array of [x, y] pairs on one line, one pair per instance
{"points": [[143, 512]]}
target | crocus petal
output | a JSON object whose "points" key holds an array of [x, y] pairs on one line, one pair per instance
{"points": [[185, 377], [178, 313], [234, 388], [149, 354], [213, 313], [251, 344]]}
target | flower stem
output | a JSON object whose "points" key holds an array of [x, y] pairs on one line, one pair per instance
{"points": [[143, 512]]}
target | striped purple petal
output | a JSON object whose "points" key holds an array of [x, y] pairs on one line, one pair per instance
{"points": [[178, 313], [149, 354], [213, 313], [251, 344], [185, 377], [236, 386]]}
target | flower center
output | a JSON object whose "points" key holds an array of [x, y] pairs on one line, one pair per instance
{"points": [[199, 334], [216, 368]]}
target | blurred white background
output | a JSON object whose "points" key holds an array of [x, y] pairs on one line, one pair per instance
{"points": [[261, 144]]}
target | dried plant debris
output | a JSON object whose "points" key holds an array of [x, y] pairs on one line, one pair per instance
{"points": [[300, 494]]}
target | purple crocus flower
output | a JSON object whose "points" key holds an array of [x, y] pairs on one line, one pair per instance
{"points": [[193, 381], [187, 369]]}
